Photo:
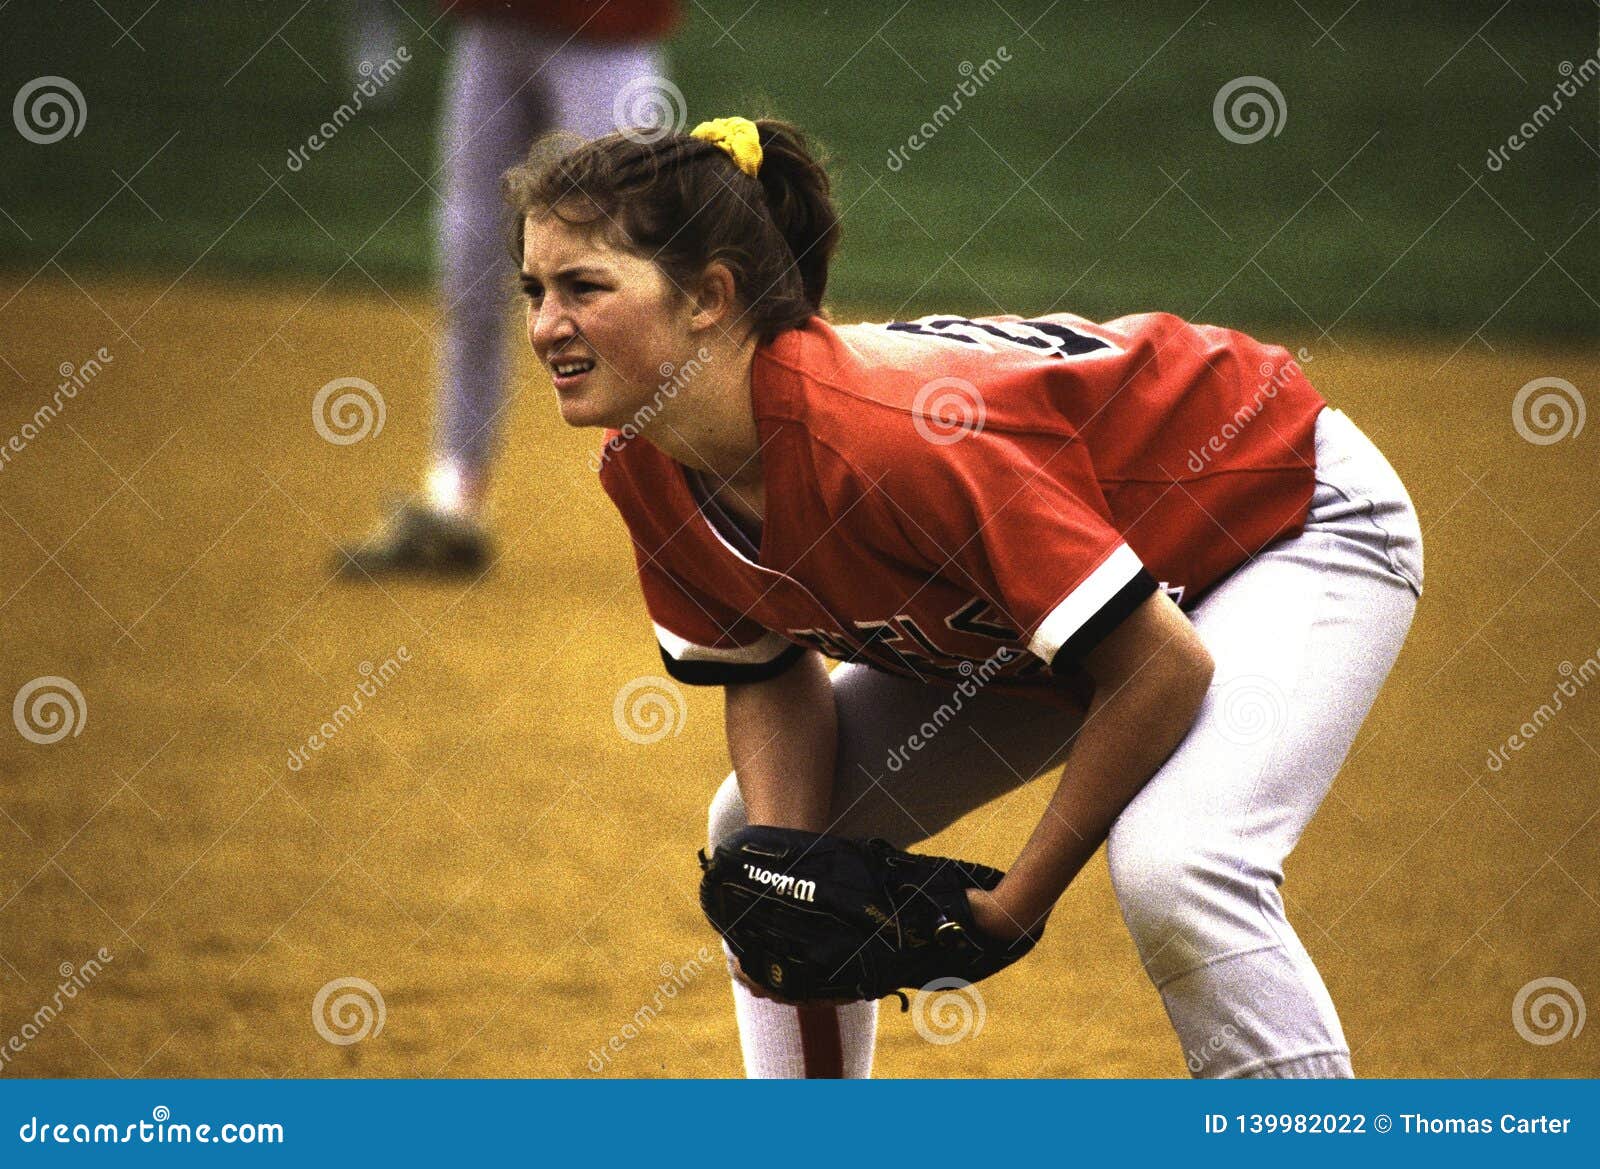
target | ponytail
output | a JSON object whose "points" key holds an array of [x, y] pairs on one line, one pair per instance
{"points": [[799, 198]]}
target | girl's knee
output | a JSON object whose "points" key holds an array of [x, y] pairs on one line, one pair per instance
{"points": [[1183, 899], [727, 814]]}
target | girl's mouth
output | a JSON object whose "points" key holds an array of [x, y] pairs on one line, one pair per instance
{"points": [[568, 372]]}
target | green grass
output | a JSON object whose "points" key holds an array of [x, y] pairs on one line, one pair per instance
{"points": [[1101, 106]]}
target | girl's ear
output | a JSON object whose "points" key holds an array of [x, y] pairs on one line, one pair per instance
{"points": [[714, 302]]}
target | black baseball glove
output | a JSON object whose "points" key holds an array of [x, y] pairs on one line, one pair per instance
{"points": [[812, 916]]}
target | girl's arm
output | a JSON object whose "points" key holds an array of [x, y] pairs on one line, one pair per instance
{"points": [[1151, 674], [782, 740]]}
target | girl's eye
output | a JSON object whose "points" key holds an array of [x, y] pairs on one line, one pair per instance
{"points": [[583, 287], [532, 291]]}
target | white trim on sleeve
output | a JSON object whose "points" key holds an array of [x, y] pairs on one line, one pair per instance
{"points": [[758, 653], [1083, 602]]}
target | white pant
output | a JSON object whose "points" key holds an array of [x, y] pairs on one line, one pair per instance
{"points": [[1303, 636]]}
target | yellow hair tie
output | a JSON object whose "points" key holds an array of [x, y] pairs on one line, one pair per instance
{"points": [[738, 137]]}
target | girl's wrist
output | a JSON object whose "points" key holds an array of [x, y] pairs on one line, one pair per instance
{"points": [[998, 916]]}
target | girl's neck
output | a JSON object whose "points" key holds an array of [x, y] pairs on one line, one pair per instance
{"points": [[710, 423]]}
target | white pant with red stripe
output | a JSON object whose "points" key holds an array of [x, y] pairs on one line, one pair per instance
{"points": [[1303, 636]]}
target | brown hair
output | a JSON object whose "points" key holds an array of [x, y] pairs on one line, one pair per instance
{"points": [[682, 203]]}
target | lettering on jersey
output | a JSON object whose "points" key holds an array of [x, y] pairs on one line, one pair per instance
{"points": [[980, 618], [901, 646], [1044, 337], [783, 884], [1173, 591]]}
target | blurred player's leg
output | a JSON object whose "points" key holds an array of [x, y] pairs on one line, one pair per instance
{"points": [[1303, 637], [496, 102], [508, 86], [586, 78], [505, 85]]}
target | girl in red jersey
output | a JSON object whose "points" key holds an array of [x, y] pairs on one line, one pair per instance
{"points": [[1144, 552]]}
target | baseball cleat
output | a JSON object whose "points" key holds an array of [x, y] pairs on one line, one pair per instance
{"points": [[418, 539]]}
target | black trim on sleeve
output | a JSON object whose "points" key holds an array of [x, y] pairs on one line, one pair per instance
{"points": [[1112, 614], [730, 673]]}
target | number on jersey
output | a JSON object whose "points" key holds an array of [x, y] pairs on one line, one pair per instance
{"points": [[1049, 337]]}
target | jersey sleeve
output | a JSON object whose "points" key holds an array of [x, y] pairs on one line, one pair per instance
{"points": [[1021, 520], [705, 643]]}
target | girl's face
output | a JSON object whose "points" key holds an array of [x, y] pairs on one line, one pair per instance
{"points": [[603, 322]]}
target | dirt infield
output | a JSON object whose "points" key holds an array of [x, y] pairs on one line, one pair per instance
{"points": [[185, 870]]}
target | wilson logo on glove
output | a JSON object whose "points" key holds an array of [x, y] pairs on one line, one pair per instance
{"points": [[799, 890]]}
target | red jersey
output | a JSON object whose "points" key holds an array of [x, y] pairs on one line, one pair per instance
{"points": [[591, 20], [948, 495]]}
